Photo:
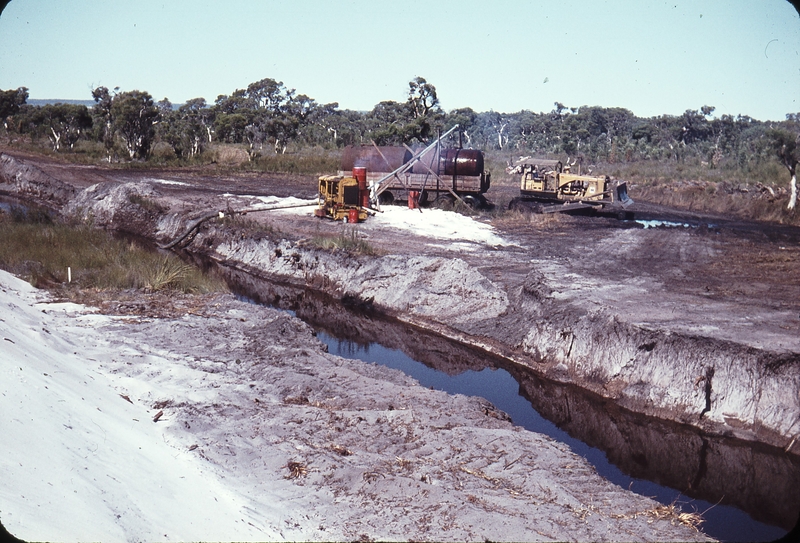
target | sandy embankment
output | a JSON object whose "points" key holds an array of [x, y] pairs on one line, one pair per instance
{"points": [[263, 436]]}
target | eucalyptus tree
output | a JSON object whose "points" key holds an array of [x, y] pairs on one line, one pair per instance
{"points": [[385, 124], [786, 144], [422, 97], [256, 114], [492, 129], [104, 130], [232, 114], [466, 119], [65, 123], [10, 103], [187, 129], [199, 119], [416, 120], [341, 127], [316, 123], [133, 117], [267, 99], [426, 117], [295, 114]]}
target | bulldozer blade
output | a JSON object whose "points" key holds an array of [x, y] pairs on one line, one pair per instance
{"points": [[621, 194]]}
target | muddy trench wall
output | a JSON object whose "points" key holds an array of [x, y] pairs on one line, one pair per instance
{"points": [[713, 384], [719, 386], [755, 478], [29, 182]]}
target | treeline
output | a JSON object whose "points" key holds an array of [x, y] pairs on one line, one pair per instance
{"points": [[268, 117]]}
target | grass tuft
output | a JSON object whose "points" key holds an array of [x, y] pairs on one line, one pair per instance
{"points": [[169, 273], [349, 240], [671, 512], [48, 254]]}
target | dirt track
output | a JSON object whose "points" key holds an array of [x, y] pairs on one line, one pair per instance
{"points": [[695, 324]]}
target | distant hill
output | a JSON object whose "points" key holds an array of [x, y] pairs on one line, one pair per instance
{"points": [[40, 102]]}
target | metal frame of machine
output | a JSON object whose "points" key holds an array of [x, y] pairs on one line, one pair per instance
{"points": [[547, 186], [342, 198], [434, 172]]}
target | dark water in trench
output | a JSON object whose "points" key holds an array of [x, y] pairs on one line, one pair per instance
{"points": [[718, 477], [497, 385]]}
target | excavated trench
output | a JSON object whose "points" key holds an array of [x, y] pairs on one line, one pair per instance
{"points": [[712, 417], [745, 492]]}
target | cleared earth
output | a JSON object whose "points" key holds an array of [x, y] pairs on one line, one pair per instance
{"points": [[691, 319]]}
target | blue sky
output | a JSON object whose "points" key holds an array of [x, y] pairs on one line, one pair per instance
{"points": [[652, 57]]}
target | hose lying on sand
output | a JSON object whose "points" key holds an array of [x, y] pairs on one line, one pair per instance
{"points": [[195, 224]]}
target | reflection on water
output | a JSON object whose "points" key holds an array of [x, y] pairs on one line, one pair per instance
{"points": [[718, 477]]}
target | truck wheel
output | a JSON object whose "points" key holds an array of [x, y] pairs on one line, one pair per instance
{"points": [[444, 201], [385, 198], [471, 201]]}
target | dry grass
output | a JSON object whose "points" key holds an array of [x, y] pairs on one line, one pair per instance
{"points": [[349, 240], [753, 202], [758, 194], [671, 512], [228, 155], [309, 161], [296, 470]]}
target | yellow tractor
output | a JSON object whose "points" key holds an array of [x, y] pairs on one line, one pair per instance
{"points": [[547, 186], [342, 198]]}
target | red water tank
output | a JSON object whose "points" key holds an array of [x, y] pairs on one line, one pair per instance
{"points": [[413, 199], [360, 174]]}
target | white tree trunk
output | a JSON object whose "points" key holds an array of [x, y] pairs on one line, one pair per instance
{"points": [[793, 197], [56, 138]]}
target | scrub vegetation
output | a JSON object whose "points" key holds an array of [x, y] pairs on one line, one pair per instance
{"points": [[268, 127], [70, 258]]}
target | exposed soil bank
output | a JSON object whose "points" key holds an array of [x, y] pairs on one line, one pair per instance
{"points": [[694, 325], [624, 312], [755, 478], [192, 418], [720, 385]]}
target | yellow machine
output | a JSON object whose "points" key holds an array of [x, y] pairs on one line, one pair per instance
{"points": [[341, 198], [547, 186]]}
